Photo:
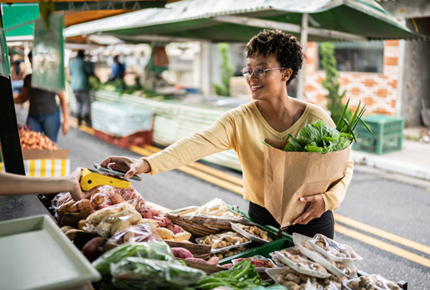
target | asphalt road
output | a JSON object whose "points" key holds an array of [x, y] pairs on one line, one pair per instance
{"points": [[384, 204]]}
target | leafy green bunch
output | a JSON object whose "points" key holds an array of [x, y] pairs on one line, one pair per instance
{"points": [[320, 137]]}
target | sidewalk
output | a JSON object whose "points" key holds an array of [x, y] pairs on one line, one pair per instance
{"points": [[413, 160]]}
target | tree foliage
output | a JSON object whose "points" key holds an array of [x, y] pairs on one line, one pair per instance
{"points": [[331, 83], [226, 72]]}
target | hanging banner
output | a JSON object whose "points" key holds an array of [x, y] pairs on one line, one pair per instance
{"points": [[4, 59], [48, 54]]}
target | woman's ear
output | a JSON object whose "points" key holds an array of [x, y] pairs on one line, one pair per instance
{"points": [[287, 74]]}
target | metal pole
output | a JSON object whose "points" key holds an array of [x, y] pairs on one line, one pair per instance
{"points": [[9, 135], [303, 42]]}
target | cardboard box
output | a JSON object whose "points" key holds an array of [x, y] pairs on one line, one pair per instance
{"points": [[45, 154]]}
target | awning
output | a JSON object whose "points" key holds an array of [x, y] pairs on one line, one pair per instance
{"points": [[238, 20], [18, 15]]}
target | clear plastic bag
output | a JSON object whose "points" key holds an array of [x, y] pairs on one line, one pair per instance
{"points": [[339, 268], [376, 282], [63, 203], [138, 233], [302, 264], [223, 241], [214, 208], [333, 250]]}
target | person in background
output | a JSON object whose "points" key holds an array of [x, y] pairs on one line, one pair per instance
{"points": [[17, 74], [44, 114], [14, 184], [274, 59], [80, 71], [118, 69]]}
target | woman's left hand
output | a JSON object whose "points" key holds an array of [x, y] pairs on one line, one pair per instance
{"points": [[65, 127], [315, 209]]}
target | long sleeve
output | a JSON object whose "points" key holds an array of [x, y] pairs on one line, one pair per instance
{"points": [[212, 140], [335, 195]]}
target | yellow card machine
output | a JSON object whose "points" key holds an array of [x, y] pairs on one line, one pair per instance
{"points": [[91, 178]]}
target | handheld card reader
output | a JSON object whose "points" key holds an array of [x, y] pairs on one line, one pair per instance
{"points": [[91, 178]]}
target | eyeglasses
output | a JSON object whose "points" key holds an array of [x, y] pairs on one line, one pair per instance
{"points": [[258, 71]]}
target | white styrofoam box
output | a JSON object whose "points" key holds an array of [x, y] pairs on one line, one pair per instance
{"points": [[120, 119]]}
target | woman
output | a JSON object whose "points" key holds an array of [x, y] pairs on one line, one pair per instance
{"points": [[14, 184], [274, 59], [44, 114]]}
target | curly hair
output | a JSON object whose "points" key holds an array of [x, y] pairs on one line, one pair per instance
{"points": [[284, 47]]}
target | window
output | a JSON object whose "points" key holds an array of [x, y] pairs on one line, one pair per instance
{"points": [[358, 56]]}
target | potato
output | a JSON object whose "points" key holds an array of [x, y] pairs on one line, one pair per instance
{"points": [[82, 224], [94, 248], [65, 229], [72, 233], [165, 234]]}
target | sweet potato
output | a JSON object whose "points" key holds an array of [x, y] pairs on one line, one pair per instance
{"points": [[65, 229], [213, 261], [84, 205], [116, 198], [182, 253], [72, 233], [94, 248], [174, 228], [165, 234], [180, 237], [97, 199], [65, 207], [82, 224], [196, 260]]}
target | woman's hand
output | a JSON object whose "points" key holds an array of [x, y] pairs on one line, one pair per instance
{"points": [[65, 127], [315, 209], [125, 164], [75, 186]]}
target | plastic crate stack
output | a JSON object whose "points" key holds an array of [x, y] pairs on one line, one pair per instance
{"points": [[388, 134]]}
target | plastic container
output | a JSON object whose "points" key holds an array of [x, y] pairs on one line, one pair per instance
{"points": [[334, 247], [248, 235], [259, 258], [299, 267], [42, 256], [345, 269], [220, 237]]}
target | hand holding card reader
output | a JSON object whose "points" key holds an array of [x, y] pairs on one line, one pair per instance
{"points": [[91, 178]]}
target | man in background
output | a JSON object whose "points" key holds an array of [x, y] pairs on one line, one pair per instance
{"points": [[118, 69], [80, 71]]}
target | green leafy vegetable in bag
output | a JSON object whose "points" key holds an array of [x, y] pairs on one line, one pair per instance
{"points": [[320, 137], [151, 250], [138, 273]]}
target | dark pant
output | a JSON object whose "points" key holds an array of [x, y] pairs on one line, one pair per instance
{"points": [[322, 225]]}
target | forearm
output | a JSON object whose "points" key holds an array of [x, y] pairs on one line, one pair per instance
{"points": [[184, 152], [12, 184], [64, 107], [335, 195]]}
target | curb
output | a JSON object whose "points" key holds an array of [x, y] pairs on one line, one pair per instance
{"points": [[390, 165]]}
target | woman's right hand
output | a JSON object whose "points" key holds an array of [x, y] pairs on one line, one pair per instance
{"points": [[125, 164]]}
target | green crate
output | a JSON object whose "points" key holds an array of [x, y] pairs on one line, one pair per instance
{"points": [[388, 134], [381, 126]]}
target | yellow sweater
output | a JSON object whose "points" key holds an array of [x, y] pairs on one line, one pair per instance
{"points": [[243, 129]]}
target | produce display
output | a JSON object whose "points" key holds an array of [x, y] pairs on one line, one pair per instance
{"points": [[35, 140], [129, 248]]}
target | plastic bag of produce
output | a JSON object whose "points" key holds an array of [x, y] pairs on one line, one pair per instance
{"points": [[63, 203], [150, 250], [370, 282], [339, 268], [333, 250], [139, 233], [141, 273]]}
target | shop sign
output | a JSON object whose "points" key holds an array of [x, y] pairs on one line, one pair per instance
{"points": [[48, 54]]}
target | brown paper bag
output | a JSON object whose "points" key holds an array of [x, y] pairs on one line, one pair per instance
{"points": [[291, 175]]}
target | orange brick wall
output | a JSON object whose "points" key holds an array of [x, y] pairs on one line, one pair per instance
{"points": [[377, 90]]}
